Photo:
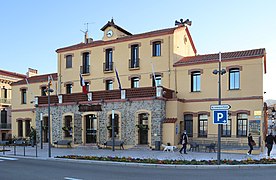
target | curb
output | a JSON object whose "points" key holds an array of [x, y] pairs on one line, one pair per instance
{"points": [[243, 166]]}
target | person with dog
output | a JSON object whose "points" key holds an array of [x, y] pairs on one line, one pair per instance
{"points": [[184, 142], [269, 140]]}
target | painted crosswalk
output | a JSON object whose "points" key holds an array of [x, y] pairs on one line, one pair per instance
{"points": [[8, 159]]}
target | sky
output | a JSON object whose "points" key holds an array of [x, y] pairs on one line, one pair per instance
{"points": [[32, 30]]}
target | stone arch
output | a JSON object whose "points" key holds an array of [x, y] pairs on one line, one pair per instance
{"points": [[137, 113]]}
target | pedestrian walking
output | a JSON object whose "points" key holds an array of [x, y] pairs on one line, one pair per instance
{"points": [[184, 142], [251, 143], [269, 140]]}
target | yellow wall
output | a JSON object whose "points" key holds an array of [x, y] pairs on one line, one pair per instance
{"points": [[26, 111], [121, 55]]}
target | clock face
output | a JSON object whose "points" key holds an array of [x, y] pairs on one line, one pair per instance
{"points": [[109, 33]]}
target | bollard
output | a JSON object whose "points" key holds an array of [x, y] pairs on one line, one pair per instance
{"points": [[24, 149], [4, 150], [36, 150], [14, 151]]}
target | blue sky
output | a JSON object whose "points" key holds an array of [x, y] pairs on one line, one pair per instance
{"points": [[32, 30]]}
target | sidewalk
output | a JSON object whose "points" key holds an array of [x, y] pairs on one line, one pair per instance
{"points": [[91, 151]]}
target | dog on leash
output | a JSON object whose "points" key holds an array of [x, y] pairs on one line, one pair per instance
{"points": [[168, 148]]}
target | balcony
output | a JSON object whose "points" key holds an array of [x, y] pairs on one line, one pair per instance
{"points": [[131, 93], [5, 101], [108, 67], [134, 64], [5, 126], [85, 69]]}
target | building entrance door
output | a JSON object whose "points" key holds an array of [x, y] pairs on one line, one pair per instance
{"points": [[45, 129], [143, 128], [91, 128]]}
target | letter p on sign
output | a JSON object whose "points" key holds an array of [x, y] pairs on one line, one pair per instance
{"points": [[220, 116]]}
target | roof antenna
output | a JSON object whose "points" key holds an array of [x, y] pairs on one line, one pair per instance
{"points": [[86, 39]]}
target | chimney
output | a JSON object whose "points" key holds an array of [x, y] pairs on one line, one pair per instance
{"points": [[32, 72], [86, 38]]}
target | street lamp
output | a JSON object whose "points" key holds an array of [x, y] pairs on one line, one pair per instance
{"points": [[49, 91], [219, 72]]}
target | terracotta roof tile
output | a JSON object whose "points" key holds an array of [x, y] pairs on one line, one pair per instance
{"points": [[121, 39], [12, 74], [36, 79], [224, 56], [170, 120]]}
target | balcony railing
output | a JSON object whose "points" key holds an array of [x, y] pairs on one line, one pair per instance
{"points": [[85, 69], [108, 67], [131, 93], [134, 63], [5, 125], [5, 101]]}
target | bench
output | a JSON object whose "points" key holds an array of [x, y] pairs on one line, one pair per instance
{"points": [[116, 143], [210, 147], [194, 146], [4, 143], [20, 142], [63, 142]]}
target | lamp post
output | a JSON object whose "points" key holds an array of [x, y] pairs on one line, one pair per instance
{"points": [[219, 72], [49, 91], [112, 124]]}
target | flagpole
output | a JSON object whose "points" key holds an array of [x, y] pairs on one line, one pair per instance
{"points": [[153, 73]]}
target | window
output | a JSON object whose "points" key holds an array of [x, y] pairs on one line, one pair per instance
{"points": [[4, 93], [234, 79], [188, 124], [24, 96], [85, 63], [87, 86], [69, 61], [135, 82], [202, 125], [20, 128], [109, 85], [4, 116], [156, 48], [195, 85], [43, 91], [242, 124], [134, 61], [157, 80], [69, 88], [108, 60], [226, 128], [116, 125], [27, 128]]}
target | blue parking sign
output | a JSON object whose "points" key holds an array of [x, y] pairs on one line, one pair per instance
{"points": [[220, 116]]}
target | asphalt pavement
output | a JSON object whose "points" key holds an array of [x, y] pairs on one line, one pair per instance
{"points": [[43, 153]]}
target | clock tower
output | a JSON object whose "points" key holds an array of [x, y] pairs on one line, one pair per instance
{"points": [[113, 31]]}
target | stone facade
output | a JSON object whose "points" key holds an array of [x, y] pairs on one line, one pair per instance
{"points": [[127, 110]]}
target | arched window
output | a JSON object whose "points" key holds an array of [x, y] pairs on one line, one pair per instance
{"points": [[202, 125], [242, 120]]}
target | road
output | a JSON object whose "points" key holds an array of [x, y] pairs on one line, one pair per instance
{"points": [[26, 169]]}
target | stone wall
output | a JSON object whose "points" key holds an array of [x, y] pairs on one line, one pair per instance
{"points": [[127, 109]]}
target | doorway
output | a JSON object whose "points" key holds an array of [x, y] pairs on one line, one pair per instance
{"points": [[45, 129], [143, 128], [91, 128]]}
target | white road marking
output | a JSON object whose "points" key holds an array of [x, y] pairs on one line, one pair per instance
{"points": [[69, 178], [11, 159]]}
